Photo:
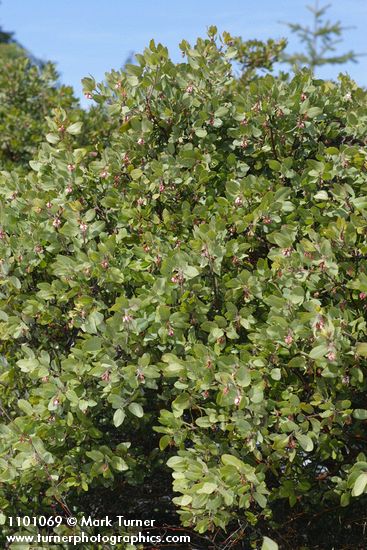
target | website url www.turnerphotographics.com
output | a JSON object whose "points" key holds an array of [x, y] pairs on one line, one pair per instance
{"points": [[143, 531]]}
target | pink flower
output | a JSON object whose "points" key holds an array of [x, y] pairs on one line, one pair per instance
{"points": [[319, 325], [363, 295], [287, 251], [288, 339], [141, 141], [238, 201], [331, 355], [83, 227], [140, 375], [56, 223], [68, 189], [71, 167], [88, 95], [237, 400], [104, 174], [104, 264], [190, 89], [127, 318]]}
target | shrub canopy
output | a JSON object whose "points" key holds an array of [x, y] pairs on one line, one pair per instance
{"points": [[191, 289]]}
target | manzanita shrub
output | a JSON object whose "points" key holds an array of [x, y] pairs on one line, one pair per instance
{"points": [[190, 297]]}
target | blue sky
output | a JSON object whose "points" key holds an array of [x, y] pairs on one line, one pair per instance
{"points": [[94, 36]]}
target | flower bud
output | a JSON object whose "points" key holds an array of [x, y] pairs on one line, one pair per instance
{"points": [[288, 339]]}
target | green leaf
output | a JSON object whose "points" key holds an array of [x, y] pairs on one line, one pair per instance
{"points": [[93, 321], [207, 488], [190, 272], [164, 442], [95, 455], [243, 376], [185, 500], [136, 174], [118, 417], [269, 544], [260, 499], [275, 165], [75, 128], [361, 349], [321, 196], [360, 414], [93, 344], [360, 203], [53, 138], [318, 351], [136, 410], [201, 132], [313, 111], [359, 485], [25, 406], [276, 374], [230, 460], [175, 461], [305, 441], [119, 464], [27, 365]]}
